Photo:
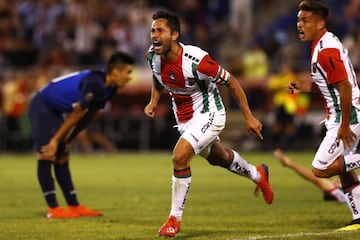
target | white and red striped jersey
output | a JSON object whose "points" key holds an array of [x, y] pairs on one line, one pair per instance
{"points": [[330, 64], [191, 80]]}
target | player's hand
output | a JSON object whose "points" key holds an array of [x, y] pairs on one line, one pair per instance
{"points": [[347, 136], [62, 156], [293, 88], [48, 151], [149, 110], [253, 125]]}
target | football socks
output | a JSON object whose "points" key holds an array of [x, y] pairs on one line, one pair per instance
{"points": [[353, 201], [47, 182], [242, 167], [63, 176], [181, 181]]}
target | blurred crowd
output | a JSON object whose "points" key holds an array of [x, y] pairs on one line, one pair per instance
{"points": [[40, 39]]}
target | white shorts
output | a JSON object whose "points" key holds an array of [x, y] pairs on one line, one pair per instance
{"points": [[328, 150], [202, 130]]}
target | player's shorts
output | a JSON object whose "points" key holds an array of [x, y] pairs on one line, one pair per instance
{"points": [[328, 150], [202, 130], [44, 121]]}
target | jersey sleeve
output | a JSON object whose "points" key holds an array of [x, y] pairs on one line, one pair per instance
{"points": [[330, 61], [92, 91], [213, 70]]}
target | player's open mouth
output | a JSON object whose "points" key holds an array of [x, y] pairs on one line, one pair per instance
{"points": [[157, 45], [301, 33]]}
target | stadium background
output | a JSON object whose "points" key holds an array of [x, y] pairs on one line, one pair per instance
{"points": [[40, 40]]}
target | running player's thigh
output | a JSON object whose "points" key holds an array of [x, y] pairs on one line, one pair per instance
{"points": [[328, 150], [204, 130]]}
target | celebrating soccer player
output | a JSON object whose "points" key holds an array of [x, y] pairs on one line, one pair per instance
{"points": [[333, 73], [192, 77]]}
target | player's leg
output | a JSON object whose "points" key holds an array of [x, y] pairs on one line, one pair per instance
{"points": [[325, 164], [322, 183], [231, 160], [181, 180], [351, 188], [63, 177], [43, 120], [196, 137], [332, 159]]}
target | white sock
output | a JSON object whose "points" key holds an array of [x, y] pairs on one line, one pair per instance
{"points": [[242, 167], [353, 201], [351, 162], [338, 195], [180, 190]]}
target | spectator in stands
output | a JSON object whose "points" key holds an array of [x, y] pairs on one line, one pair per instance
{"points": [[87, 36], [255, 70], [15, 94], [287, 106]]}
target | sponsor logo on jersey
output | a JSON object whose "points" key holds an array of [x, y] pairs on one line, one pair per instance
{"points": [[209, 123]]}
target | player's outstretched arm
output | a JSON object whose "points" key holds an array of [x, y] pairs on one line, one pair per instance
{"points": [[252, 124]]}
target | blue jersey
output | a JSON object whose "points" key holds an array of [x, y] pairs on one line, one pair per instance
{"points": [[85, 87]]}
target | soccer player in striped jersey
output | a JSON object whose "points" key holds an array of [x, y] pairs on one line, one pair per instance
{"points": [[79, 96], [192, 77], [333, 74]]}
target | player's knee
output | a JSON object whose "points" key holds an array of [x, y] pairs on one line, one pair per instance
{"points": [[44, 157], [63, 159], [180, 160]]}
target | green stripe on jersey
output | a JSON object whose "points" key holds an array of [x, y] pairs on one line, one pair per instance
{"points": [[353, 113], [218, 102], [151, 57], [336, 103], [203, 89]]}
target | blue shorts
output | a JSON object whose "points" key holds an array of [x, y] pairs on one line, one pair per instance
{"points": [[44, 121]]}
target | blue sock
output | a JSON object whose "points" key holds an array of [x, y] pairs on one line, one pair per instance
{"points": [[47, 182], [63, 176]]}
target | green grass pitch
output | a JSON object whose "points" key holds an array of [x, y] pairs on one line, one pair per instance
{"points": [[133, 191]]}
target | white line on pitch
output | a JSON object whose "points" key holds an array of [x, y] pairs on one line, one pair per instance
{"points": [[290, 235]]}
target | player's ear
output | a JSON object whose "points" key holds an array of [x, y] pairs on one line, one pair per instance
{"points": [[175, 35], [321, 24]]}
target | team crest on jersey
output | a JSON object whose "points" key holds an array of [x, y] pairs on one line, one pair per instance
{"points": [[189, 81], [313, 67], [172, 77]]}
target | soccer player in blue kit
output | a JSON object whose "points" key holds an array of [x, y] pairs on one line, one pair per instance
{"points": [[58, 112]]}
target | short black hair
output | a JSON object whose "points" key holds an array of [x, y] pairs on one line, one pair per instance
{"points": [[317, 7], [118, 60], [171, 17]]}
